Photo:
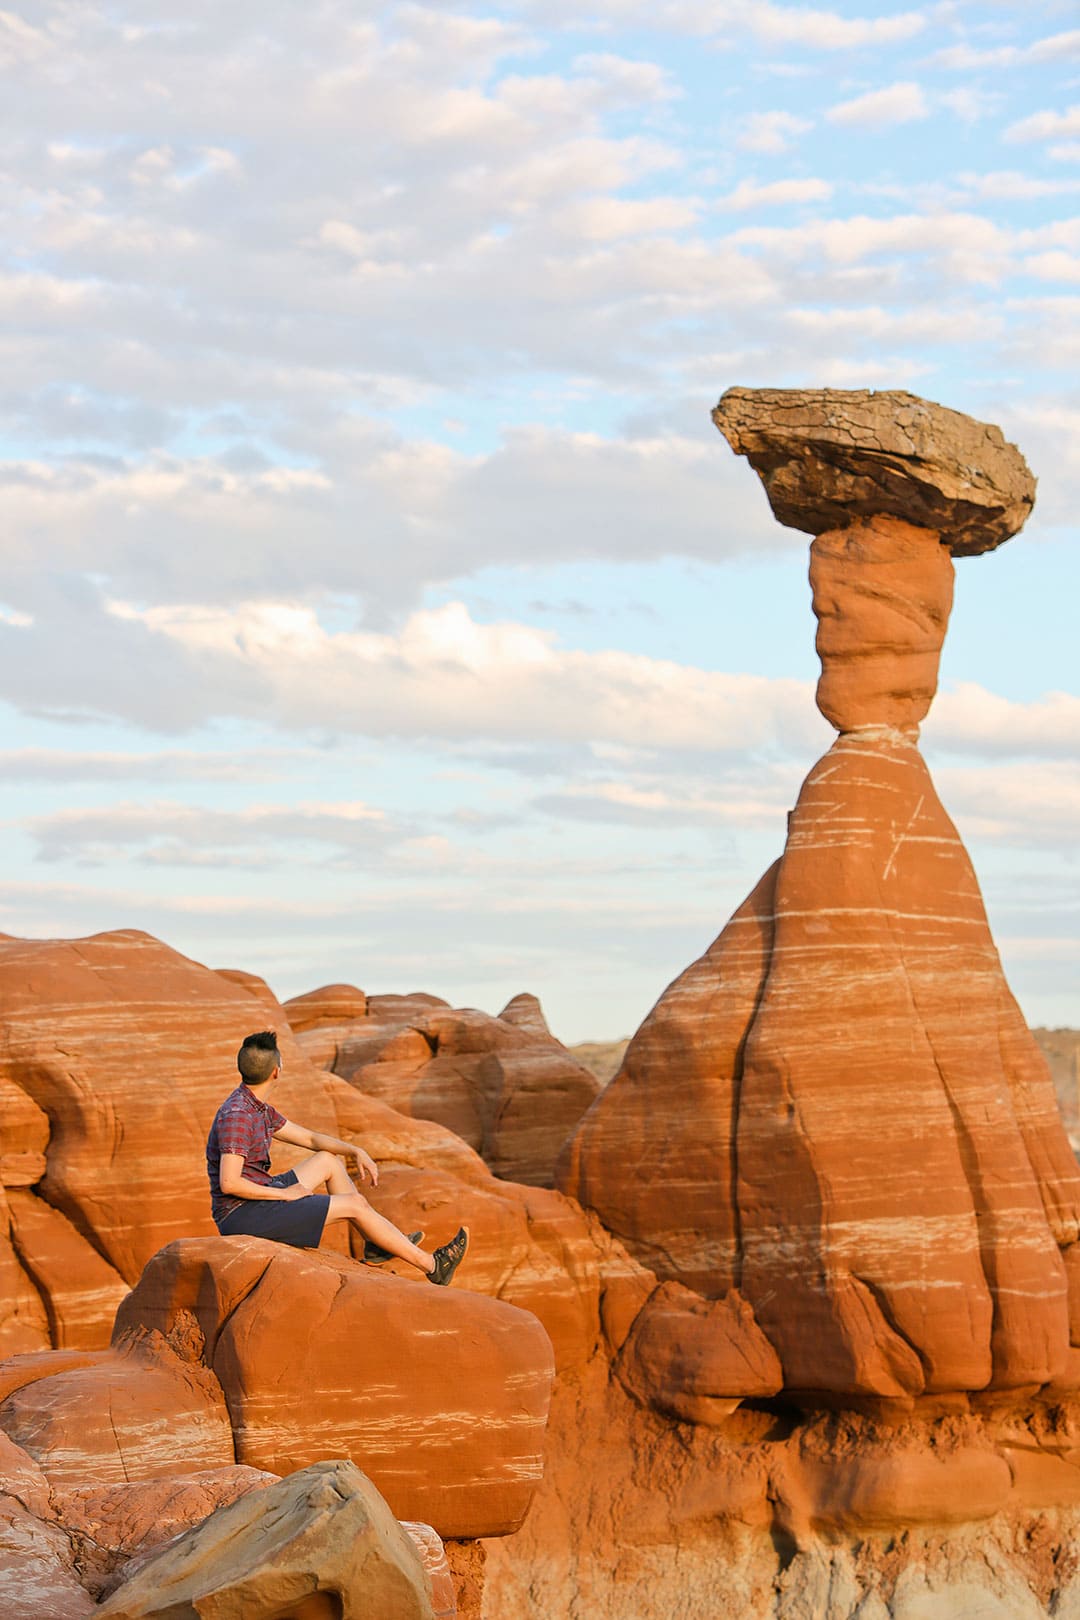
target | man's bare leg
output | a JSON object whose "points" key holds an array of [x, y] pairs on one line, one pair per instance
{"points": [[346, 1204]]}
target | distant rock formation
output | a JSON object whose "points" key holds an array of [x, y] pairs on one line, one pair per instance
{"points": [[838, 1116], [1061, 1049], [505, 1085]]}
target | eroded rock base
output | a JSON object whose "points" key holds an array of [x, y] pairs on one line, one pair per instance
{"points": [[963, 1510]]}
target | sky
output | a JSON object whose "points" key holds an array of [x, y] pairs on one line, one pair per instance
{"points": [[378, 602]]}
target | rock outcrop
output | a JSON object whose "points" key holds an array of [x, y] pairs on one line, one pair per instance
{"points": [[321, 1545], [839, 1111], [116, 1053], [505, 1085], [439, 1394]]}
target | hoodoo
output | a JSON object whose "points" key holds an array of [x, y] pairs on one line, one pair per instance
{"points": [[838, 1115]]}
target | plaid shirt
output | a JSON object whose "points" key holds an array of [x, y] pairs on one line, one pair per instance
{"points": [[241, 1125]]}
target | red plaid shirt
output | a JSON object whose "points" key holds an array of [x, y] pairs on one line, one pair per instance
{"points": [[246, 1126]]}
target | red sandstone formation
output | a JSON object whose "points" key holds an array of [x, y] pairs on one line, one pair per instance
{"points": [[117, 1050], [440, 1394], [505, 1085], [838, 1111], [829, 1372]]}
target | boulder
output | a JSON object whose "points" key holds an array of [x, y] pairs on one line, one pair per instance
{"points": [[440, 1395], [695, 1358], [114, 1525], [321, 1544], [829, 456]]}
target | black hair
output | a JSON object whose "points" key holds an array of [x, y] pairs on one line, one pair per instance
{"points": [[258, 1057]]}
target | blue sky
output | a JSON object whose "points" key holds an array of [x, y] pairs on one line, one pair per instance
{"points": [[379, 603]]}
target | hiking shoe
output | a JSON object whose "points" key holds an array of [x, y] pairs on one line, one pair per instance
{"points": [[448, 1257], [376, 1256]]}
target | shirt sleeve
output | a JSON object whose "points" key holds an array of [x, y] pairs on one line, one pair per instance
{"points": [[276, 1120], [234, 1134]]}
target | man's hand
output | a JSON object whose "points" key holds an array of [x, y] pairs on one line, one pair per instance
{"points": [[366, 1168], [289, 1195]]}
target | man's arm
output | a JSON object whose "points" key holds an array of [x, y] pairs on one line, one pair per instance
{"points": [[320, 1142], [234, 1184]]}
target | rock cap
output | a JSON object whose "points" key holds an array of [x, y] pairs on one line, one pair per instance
{"points": [[829, 455]]}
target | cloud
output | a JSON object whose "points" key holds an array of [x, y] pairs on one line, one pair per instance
{"points": [[1045, 126], [174, 765], [772, 131], [381, 518], [901, 103], [1016, 803], [826, 30], [777, 194], [967, 718], [444, 675], [776, 26], [169, 833], [965, 58]]}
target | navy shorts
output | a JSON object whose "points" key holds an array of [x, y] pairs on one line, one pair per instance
{"points": [[300, 1223]]}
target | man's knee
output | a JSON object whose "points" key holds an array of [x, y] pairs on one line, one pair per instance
{"points": [[360, 1203]]}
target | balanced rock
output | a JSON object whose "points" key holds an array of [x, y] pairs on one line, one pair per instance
{"points": [[829, 456], [441, 1396], [839, 1111], [321, 1544]]}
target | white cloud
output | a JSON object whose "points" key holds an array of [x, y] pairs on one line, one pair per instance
{"points": [[826, 30], [1015, 803], [967, 58], [1055, 266], [967, 718], [169, 833], [772, 131], [777, 194], [772, 25], [901, 103], [1044, 126], [169, 765], [383, 518], [444, 675]]}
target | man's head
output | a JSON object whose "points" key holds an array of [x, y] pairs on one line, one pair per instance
{"points": [[258, 1059]]}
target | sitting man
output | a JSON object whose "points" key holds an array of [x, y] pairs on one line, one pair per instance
{"points": [[246, 1198]]}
